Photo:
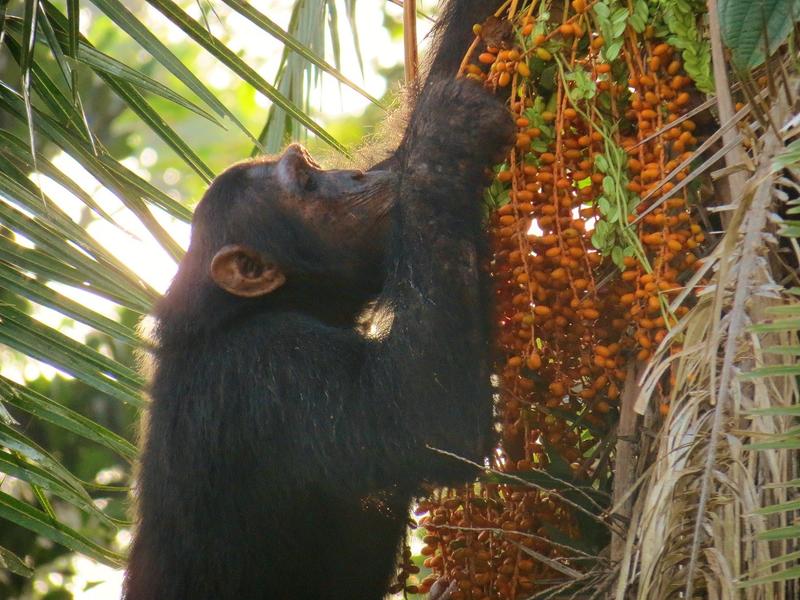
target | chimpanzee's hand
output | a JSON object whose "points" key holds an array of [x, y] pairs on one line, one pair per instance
{"points": [[462, 121], [442, 589]]}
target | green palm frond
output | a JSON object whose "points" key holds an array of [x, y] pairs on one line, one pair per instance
{"points": [[295, 75]]}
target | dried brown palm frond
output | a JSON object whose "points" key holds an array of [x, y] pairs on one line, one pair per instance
{"points": [[697, 527]]}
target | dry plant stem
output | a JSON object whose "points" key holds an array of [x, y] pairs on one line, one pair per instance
{"points": [[521, 238], [553, 564], [712, 139], [502, 7], [468, 56], [522, 243], [735, 181], [535, 486], [626, 458], [695, 111], [757, 217], [410, 40], [555, 32], [500, 532]]}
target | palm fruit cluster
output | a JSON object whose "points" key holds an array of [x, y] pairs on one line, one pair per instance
{"points": [[592, 244]]}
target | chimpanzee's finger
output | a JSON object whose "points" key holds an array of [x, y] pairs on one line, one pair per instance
{"points": [[442, 589]]}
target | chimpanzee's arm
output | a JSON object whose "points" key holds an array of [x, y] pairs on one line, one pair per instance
{"points": [[453, 34], [435, 360], [451, 37]]}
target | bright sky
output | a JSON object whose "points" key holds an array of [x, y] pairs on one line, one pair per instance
{"points": [[130, 241]]}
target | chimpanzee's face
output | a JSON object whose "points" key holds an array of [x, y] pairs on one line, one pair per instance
{"points": [[343, 208], [336, 220]]}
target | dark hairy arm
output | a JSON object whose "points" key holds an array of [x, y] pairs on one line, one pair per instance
{"points": [[453, 34], [426, 383], [437, 355], [432, 371]]}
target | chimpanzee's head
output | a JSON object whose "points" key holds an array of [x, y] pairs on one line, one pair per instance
{"points": [[286, 228]]}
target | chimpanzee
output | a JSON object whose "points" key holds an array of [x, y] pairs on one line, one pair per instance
{"points": [[283, 444]]}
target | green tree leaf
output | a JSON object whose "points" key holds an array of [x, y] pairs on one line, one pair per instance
{"points": [[754, 30]]}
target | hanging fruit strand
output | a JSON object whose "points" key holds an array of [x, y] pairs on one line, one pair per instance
{"points": [[581, 288]]}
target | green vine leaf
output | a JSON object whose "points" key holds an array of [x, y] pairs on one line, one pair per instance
{"points": [[639, 17], [612, 25], [681, 18], [584, 88]]}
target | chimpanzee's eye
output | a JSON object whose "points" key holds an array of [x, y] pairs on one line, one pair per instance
{"points": [[310, 183]]}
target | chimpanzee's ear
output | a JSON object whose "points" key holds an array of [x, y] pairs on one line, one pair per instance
{"points": [[243, 272]]}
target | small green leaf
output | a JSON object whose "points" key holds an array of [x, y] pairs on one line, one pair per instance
{"points": [[789, 156], [781, 533], [773, 371], [617, 256], [638, 19], [609, 188], [782, 575], [620, 15], [539, 145], [602, 10], [776, 325], [618, 27], [598, 240], [613, 49], [779, 508], [12, 562]]}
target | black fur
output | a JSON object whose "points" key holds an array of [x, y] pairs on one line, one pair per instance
{"points": [[283, 447]]}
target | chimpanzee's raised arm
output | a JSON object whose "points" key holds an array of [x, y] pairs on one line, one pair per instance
{"points": [[453, 34], [451, 37], [436, 356]]}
